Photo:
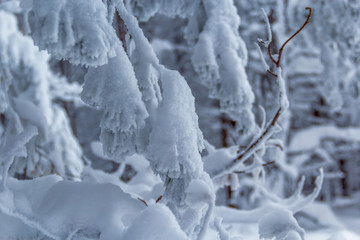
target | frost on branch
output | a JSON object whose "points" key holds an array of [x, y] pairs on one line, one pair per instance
{"points": [[77, 30], [175, 142], [175, 139], [146, 67], [113, 89], [110, 4], [220, 57], [176, 153], [145, 63]]}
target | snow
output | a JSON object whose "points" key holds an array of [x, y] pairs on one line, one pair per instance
{"points": [[11, 147], [62, 207], [64, 151], [29, 81], [322, 215], [219, 58], [62, 27], [144, 184], [280, 224], [311, 65], [349, 217], [149, 124], [160, 46], [155, 223], [28, 111], [176, 152], [219, 158], [113, 89], [310, 138]]}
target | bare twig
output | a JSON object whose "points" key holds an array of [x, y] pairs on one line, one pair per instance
{"points": [[269, 71], [287, 41], [159, 199], [270, 129], [262, 136], [143, 201]]}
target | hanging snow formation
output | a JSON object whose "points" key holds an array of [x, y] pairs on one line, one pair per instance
{"points": [[75, 30], [183, 139], [220, 57], [113, 89], [219, 54]]}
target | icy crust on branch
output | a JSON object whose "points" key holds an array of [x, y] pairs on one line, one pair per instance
{"points": [[142, 56], [146, 67], [220, 57], [175, 140], [29, 81], [145, 9], [77, 30], [113, 89], [110, 4]]}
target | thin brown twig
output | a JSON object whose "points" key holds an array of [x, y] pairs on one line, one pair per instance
{"points": [[297, 32], [264, 134], [143, 201], [279, 146], [289, 39], [159, 199], [248, 151], [269, 71]]}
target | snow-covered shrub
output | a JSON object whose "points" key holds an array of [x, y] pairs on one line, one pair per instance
{"points": [[28, 102]]}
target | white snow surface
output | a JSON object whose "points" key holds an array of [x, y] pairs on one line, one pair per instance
{"points": [[280, 224], [59, 209], [155, 223]]}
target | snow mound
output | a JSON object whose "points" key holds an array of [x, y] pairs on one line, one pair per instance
{"points": [[155, 223]]}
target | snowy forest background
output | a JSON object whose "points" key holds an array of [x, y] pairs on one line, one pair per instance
{"points": [[161, 119]]}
